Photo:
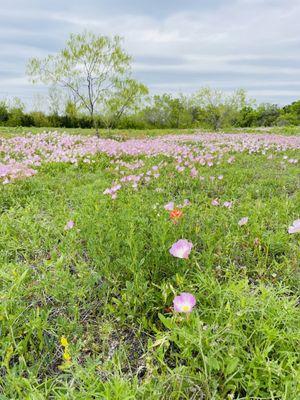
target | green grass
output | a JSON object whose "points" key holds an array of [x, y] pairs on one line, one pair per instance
{"points": [[106, 286], [6, 131]]}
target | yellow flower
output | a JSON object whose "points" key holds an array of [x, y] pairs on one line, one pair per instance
{"points": [[64, 341], [66, 356]]}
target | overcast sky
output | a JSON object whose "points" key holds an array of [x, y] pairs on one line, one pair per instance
{"points": [[177, 45]]}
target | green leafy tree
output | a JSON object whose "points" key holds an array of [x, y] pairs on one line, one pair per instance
{"points": [[16, 113], [127, 99], [246, 117], [267, 114], [167, 112], [3, 112], [290, 114], [217, 109], [90, 68]]}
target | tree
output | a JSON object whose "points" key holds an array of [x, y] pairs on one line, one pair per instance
{"points": [[3, 112], [166, 111], [90, 68], [56, 100], [267, 114], [290, 114], [247, 116], [126, 99], [216, 109], [16, 113]]}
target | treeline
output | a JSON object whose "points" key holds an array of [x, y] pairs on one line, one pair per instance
{"points": [[208, 108]]}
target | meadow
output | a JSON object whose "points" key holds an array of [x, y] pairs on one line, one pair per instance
{"points": [[99, 237]]}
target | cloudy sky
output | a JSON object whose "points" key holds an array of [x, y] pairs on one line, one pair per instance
{"points": [[177, 45]]}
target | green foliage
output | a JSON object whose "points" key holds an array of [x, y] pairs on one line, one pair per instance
{"points": [[126, 108], [4, 113], [216, 109], [290, 114], [167, 112], [16, 114], [267, 114], [39, 119], [126, 100]]}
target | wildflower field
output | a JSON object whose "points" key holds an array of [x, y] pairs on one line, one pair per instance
{"points": [[150, 268]]}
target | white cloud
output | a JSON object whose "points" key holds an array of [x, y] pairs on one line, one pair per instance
{"points": [[259, 39]]}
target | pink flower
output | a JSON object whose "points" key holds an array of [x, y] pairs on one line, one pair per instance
{"points": [[220, 177], [256, 242], [295, 228], [215, 202], [227, 204], [194, 172], [181, 249], [186, 202], [243, 221], [69, 225], [170, 206], [184, 302]]}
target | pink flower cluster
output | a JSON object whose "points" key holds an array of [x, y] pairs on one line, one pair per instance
{"points": [[112, 192], [21, 156], [14, 171]]}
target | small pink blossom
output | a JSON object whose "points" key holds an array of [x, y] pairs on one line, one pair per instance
{"points": [[256, 242], [69, 225], [194, 172], [112, 192], [184, 303], [227, 204], [295, 228], [186, 203], [181, 249], [220, 177], [169, 206], [215, 202], [243, 221]]}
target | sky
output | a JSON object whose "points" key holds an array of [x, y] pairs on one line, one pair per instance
{"points": [[178, 46]]}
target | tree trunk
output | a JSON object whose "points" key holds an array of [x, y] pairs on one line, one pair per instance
{"points": [[96, 127], [95, 123]]}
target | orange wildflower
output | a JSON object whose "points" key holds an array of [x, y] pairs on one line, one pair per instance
{"points": [[176, 214]]}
